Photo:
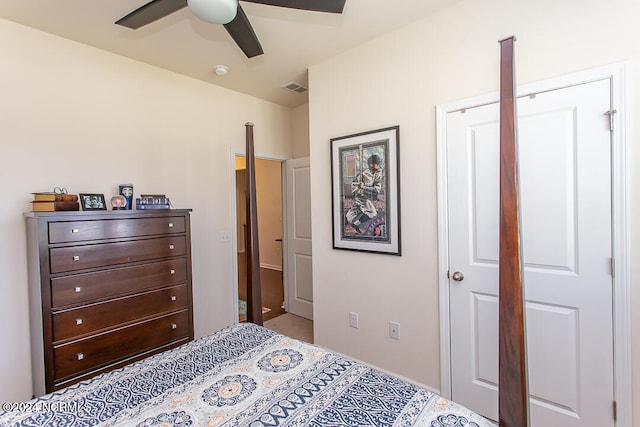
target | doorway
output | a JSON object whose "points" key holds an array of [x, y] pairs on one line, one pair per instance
{"points": [[269, 203]]}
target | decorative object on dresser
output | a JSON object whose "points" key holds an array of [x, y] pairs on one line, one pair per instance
{"points": [[54, 206], [57, 200], [118, 202], [106, 289], [126, 191], [93, 202], [153, 201]]}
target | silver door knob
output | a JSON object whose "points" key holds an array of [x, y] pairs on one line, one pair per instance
{"points": [[458, 276]]}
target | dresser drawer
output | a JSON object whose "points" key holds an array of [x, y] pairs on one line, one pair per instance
{"points": [[93, 352], [78, 231], [94, 317], [85, 287], [73, 258]]}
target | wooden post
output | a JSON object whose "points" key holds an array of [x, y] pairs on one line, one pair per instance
{"points": [[254, 289], [512, 378]]}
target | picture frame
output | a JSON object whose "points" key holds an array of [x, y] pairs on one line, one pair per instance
{"points": [[365, 191], [92, 202]]}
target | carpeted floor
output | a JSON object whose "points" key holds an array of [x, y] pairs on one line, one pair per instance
{"points": [[292, 326]]}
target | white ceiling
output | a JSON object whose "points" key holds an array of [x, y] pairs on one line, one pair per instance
{"points": [[292, 40]]}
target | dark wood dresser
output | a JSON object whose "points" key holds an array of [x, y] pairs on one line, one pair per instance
{"points": [[106, 288]]}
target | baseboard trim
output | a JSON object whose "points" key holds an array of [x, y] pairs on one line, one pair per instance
{"points": [[271, 266]]}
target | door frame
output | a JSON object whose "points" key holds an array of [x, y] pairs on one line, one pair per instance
{"points": [[233, 216], [615, 73]]}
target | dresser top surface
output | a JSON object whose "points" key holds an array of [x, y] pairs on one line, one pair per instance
{"points": [[108, 214]]}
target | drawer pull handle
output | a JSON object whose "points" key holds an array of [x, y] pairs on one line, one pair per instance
{"points": [[76, 257], [80, 356], [171, 247], [74, 230], [172, 271], [170, 225], [78, 321], [174, 326], [173, 298], [78, 289]]}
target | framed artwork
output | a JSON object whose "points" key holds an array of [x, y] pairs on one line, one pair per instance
{"points": [[92, 202], [365, 191]]}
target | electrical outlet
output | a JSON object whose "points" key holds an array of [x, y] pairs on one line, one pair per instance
{"points": [[353, 320], [225, 236], [394, 330]]}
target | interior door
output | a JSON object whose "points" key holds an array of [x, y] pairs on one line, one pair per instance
{"points": [[298, 277], [565, 192]]}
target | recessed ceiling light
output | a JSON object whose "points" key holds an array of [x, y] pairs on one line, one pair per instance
{"points": [[221, 70]]}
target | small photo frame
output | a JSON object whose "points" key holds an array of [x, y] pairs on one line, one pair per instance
{"points": [[93, 202], [365, 187]]}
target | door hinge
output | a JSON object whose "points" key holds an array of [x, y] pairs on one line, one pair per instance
{"points": [[615, 411], [613, 267], [610, 113]]}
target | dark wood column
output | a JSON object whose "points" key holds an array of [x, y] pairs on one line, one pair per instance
{"points": [[512, 378], [254, 288]]}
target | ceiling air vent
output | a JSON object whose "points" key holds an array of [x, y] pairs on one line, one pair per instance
{"points": [[296, 87]]}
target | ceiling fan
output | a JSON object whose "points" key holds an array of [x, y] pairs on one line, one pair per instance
{"points": [[226, 12]]}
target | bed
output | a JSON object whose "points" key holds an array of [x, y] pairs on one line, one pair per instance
{"points": [[243, 375], [247, 375]]}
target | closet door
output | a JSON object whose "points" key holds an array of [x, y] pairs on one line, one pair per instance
{"points": [[565, 181]]}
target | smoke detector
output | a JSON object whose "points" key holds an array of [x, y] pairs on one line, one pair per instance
{"points": [[221, 70]]}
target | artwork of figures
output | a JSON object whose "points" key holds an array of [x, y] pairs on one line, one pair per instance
{"points": [[365, 191]]}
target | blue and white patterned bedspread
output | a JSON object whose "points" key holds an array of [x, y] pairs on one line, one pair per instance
{"points": [[244, 375]]}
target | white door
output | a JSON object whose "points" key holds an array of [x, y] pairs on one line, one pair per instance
{"points": [[298, 277], [565, 192]]}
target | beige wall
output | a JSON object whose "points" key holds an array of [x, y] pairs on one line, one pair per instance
{"points": [[82, 118], [300, 131], [269, 203], [399, 79], [241, 206]]}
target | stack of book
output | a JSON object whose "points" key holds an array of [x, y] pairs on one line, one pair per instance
{"points": [[52, 202], [153, 201]]}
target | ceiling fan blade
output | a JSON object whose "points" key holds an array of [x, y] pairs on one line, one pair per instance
{"points": [[151, 12], [330, 6], [242, 33]]}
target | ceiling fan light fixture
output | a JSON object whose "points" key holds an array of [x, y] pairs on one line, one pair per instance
{"points": [[214, 11]]}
